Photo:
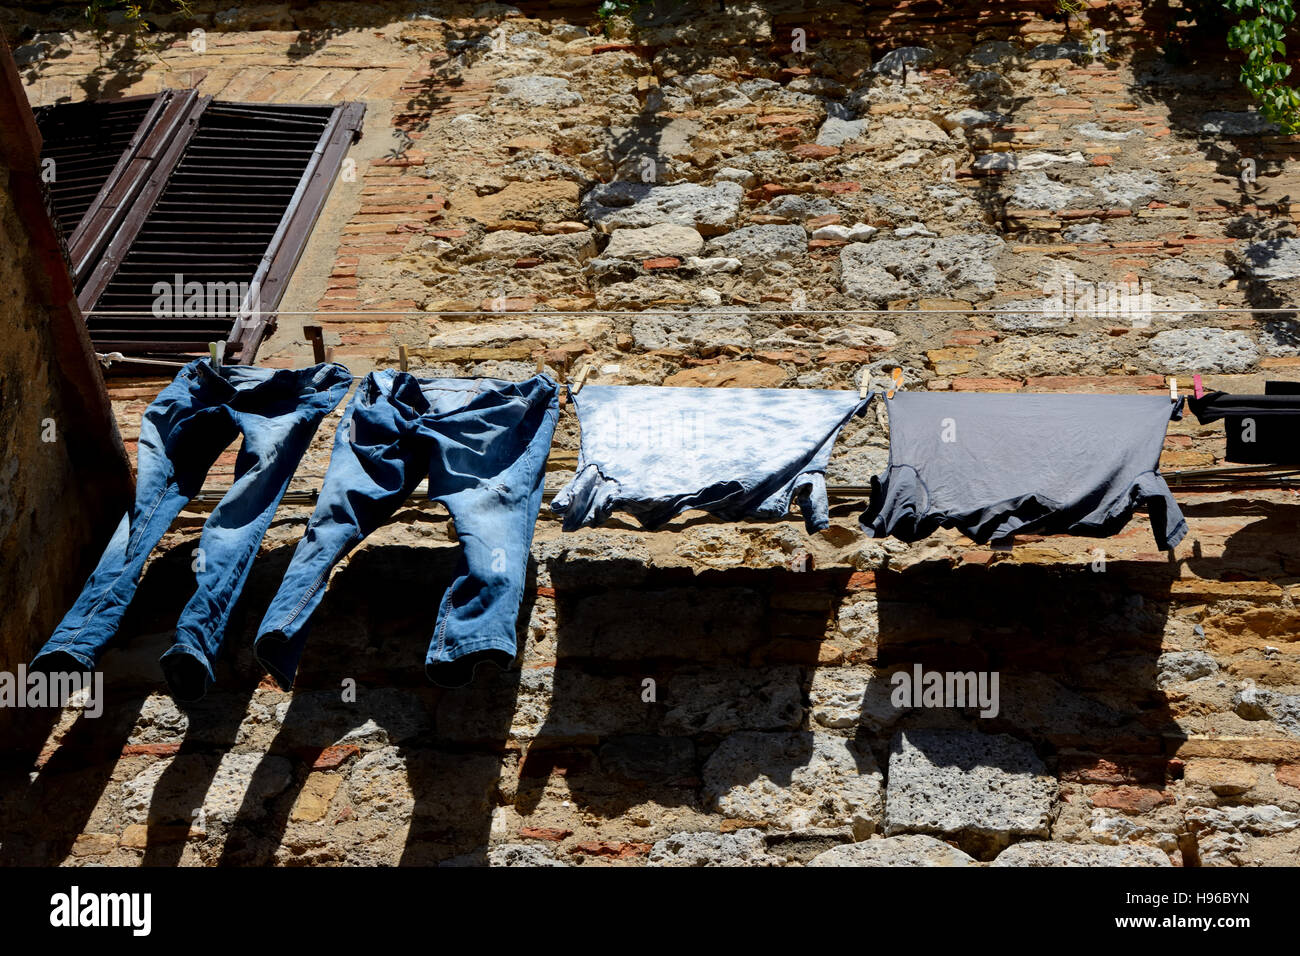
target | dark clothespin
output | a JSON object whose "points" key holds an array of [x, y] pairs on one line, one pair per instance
{"points": [[217, 353], [1197, 388], [401, 358], [316, 336]]}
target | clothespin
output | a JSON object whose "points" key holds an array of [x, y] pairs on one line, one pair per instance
{"points": [[1197, 388], [898, 383], [582, 377], [864, 383], [316, 336], [216, 352], [1173, 389], [401, 357], [541, 362]]}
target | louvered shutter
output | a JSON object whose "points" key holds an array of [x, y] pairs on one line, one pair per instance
{"points": [[219, 194], [82, 145]]}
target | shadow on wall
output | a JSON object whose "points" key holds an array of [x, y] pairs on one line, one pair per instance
{"points": [[734, 656], [373, 627], [655, 666], [1193, 74], [1075, 649], [1264, 550], [740, 695]]}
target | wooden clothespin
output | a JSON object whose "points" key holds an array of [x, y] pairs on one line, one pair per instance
{"points": [[541, 362], [1173, 389], [401, 358], [898, 382], [217, 353], [582, 377], [864, 383], [316, 336], [1197, 388]]}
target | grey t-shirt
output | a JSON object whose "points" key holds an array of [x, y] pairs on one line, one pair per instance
{"points": [[995, 465]]}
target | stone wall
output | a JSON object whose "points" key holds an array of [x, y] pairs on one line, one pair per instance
{"points": [[64, 479], [700, 167]]}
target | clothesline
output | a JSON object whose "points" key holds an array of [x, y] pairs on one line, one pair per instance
{"points": [[1266, 475], [107, 359], [1262, 476], [714, 311]]}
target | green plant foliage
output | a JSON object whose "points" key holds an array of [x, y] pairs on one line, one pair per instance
{"points": [[618, 8], [1258, 29], [134, 18], [626, 8], [1072, 8], [1260, 36]]}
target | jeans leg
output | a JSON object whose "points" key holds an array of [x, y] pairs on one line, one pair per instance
{"points": [[369, 477], [273, 447], [495, 518], [166, 479]]}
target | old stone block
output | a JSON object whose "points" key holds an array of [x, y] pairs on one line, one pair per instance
{"points": [[914, 849], [984, 789], [795, 780]]}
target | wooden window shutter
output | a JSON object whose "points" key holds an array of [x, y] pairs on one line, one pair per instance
{"points": [[219, 194]]}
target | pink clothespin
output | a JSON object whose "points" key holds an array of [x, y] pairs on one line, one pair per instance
{"points": [[1197, 388]]}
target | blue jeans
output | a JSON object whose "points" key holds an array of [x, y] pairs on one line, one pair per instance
{"points": [[182, 433], [483, 445]]}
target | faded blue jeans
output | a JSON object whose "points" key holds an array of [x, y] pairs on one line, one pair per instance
{"points": [[653, 452], [483, 445], [182, 434]]}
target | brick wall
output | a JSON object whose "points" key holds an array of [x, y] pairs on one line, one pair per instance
{"points": [[1149, 711]]}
